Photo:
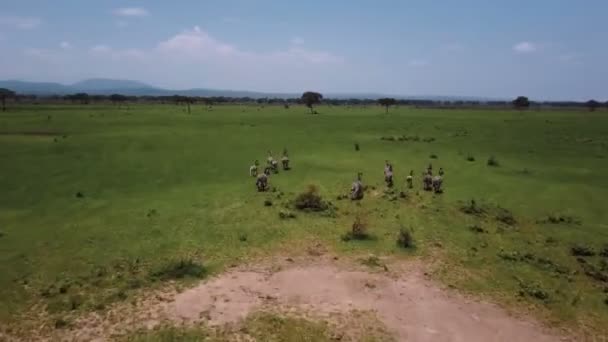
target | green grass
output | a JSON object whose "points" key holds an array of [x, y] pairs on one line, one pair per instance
{"points": [[158, 186], [267, 327]]}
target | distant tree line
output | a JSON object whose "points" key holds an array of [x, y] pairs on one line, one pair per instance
{"points": [[309, 99]]}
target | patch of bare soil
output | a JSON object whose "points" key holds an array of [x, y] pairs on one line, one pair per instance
{"points": [[409, 305]]}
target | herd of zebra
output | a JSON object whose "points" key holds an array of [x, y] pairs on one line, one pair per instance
{"points": [[429, 182]]}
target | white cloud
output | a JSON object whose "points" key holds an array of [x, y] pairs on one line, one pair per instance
{"points": [[65, 45], [198, 44], [297, 41], [131, 12], [194, 58], [525, 47], [418, 63], [21, 23]]}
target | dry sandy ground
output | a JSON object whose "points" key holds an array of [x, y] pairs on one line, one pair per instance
{"points": [[411, 306]]}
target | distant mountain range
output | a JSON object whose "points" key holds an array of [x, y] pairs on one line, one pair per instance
{"points": [[103, 86]]}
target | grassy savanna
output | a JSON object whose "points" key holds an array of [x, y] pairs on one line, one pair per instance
{"points": [[98, 201]]}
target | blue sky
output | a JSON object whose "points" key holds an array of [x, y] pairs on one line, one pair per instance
{"points": [[546, 49]]}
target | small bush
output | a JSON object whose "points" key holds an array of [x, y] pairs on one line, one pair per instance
{"points": [[358, 230], [243, 237], [310, 200], [505, 216], [184, 268], [472, 209], [492, 161], [357, 147], [603, 252], [372, 261], [477, 229], [580, 250], [267, 203], [286, 214], [388, 138], [533, 290], [61, 323], [433, 156], [405, 239], [559, 219], [79, 195], [470, 158]]}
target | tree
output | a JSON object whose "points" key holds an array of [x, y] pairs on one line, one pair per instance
{"points": [[118, 99], [311, 98], [592, 105], [521, 102], [4, 94], [387, 102]]}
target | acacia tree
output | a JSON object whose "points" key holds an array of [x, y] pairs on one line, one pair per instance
{"points": [[592, 105], [118, 99], [521, 102], [387, 102], [311, 98], [4, 94]]}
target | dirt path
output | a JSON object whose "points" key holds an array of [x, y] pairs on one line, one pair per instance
{"points": [[412, 307]]}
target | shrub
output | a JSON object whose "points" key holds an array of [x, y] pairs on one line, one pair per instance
{"points": [[505, 216], [580, 250], [604, 251], [372, 261], [79, 194], [405, 239], [470, 158], [183, 268], [472, 209], [267, 203], [61, 323], [477, 229], [433, 156], [533, 290], [492, 161], [243, 237], [310, 200], [286, 214], [357, 147], [358, 230]]}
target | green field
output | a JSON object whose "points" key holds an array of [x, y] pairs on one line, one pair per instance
{"points": [[159, 185]]}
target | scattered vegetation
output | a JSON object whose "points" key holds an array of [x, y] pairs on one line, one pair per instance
{"points": [[404, 238], [492, 161], [267, 203], [358, 231], [542, 263], [286, 214], [477, 229], [433, 156], [534, 290], [472, 209], [373, 261], [180, 269], [470, 158], [559, 219], [310, 200], [581, 250], [505, 216]]}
